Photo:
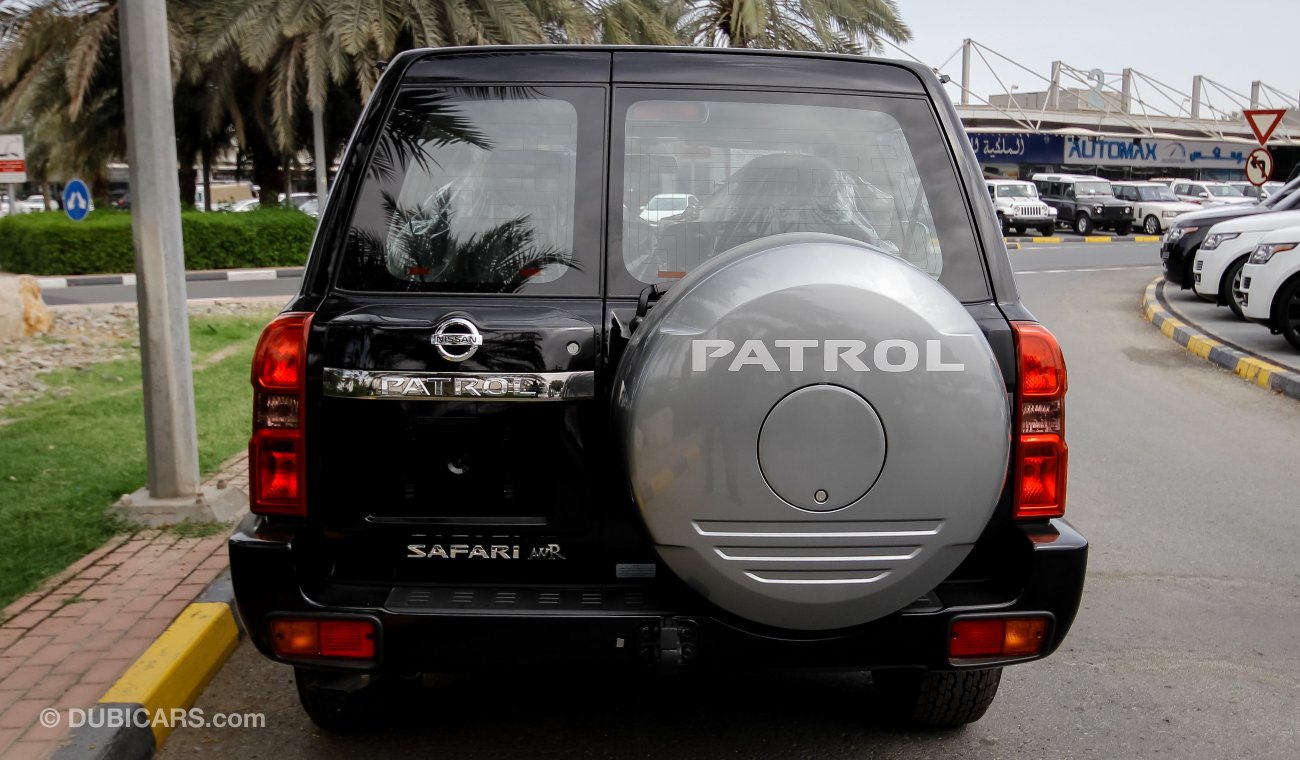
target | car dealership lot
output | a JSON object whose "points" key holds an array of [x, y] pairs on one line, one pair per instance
{"points": [[1184, 646]]}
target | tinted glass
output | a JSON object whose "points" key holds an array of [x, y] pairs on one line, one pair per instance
{"points": [[875, 169], [1161, 193], [481, 190]]}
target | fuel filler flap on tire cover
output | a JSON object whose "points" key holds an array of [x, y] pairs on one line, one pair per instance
{"points": [[825, 496]]}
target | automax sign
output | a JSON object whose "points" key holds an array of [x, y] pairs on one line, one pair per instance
{"points": [[1027, 148], [1125, 151]]}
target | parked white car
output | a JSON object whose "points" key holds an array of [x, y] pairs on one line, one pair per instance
{"points": [[1204, 193], [1154, 204], [1018, 207], [1217, 269], [1258, 193], [1270, 283], [667, 204]]}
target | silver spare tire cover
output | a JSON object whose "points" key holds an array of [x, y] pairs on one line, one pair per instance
{"points": [[836, 462]]}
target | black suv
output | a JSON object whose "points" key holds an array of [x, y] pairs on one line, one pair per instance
{"points": [[1183, 239], [507, 423], [1085, 203]]}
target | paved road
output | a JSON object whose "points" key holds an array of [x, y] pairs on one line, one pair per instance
{"points": [[1182, 476], [1219, 322]]}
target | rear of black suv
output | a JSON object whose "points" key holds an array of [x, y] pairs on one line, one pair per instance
{"points": [[508, 422]]}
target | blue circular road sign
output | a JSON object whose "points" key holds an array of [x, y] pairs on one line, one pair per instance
{"points": [[76, 200]]}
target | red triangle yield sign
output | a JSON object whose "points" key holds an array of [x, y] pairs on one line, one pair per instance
{"points": [[1263, 121]]}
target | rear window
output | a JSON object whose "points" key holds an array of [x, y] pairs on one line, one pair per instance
{"points": [[481, 190], [875, 169]]}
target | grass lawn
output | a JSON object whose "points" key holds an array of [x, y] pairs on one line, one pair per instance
{"points": [[64, 460]]}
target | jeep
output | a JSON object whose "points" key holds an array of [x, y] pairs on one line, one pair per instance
{"points": [[1085, 203], [508, 422], [1018, 207]]}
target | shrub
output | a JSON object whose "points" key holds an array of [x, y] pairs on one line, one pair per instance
{"points": [[52, 244]]}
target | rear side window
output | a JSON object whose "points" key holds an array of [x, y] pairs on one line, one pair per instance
{"points": [[875, 169], [481, 190]]}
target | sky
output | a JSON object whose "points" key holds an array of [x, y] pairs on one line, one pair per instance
{"points": [[1169, 40]]}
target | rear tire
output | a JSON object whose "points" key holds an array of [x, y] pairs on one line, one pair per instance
{"points": [[1230, 287], [1048, 230], [1151, 225], [1020, 230], [1286, 312], [1006, 227], [934, 699], [1083, 224], [1123, 228]]}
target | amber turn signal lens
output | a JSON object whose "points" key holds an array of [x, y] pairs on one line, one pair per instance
{"points": [[330, 638]]}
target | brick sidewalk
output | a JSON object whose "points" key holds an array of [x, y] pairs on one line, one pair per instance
{"points": [[66, 643]]}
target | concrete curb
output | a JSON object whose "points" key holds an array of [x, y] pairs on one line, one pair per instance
{"points": [[166, 679], [1017, 242], [1250, 367], [214, 275]]}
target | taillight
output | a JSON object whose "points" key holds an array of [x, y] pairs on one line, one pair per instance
{"points": [[997, 637], [318, 637], [276, 458], [1040, 459]]}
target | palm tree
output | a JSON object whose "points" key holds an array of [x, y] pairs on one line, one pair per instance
{"points": [[846, 26], [60, 77]]}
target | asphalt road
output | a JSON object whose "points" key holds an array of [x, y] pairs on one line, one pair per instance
{"points": [[1182, 476]]}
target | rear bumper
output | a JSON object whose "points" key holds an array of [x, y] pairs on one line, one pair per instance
{"points": [[439, 629]]}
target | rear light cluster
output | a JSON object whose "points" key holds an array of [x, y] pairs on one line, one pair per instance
{"points": [[314, 637], [978, 638], [276, 457], [1040, 459]]}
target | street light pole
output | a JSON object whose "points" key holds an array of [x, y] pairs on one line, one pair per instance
{"points": [[170, 432], [319, 159]]}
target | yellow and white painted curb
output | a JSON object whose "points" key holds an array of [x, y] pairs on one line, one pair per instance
{"points": [[1252, 368], [165, 681], [1015, 244]]}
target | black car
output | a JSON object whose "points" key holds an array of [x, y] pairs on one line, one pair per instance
{"points": [[1184, 237], [1085, 203], [507, 424]]}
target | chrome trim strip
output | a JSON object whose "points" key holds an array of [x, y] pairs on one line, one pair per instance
{"points": [[459, 386]]}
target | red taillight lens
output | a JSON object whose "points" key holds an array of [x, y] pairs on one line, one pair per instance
{"points": [[347, 639], [281, 354], [1041, 455], [275, 454], [997, 637]]}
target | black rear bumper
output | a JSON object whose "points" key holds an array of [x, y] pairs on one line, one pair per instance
{"points": [[443, 629]]}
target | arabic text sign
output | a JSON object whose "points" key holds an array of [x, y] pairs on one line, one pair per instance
{"points": [[13, 160], [1123, 151], [1016, 148]]}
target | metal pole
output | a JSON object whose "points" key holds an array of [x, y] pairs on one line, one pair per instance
{"points": [[322, 163], [1196, 97], [171, 439], [1254, 93], [965, 72], [1054, 89], [1126, 91]]}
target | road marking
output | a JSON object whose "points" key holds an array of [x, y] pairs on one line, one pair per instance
{"points": [[1146, 238], [1096, 238], [1088, 269], [1046, 239]]}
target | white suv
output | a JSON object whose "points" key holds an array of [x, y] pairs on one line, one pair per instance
{"points": [[1204, 193], [1270, 283], [1154, 204], [1218, 265], [1018, 207]]}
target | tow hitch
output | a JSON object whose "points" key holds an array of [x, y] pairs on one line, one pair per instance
{"points": [[668, 643]]}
